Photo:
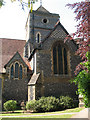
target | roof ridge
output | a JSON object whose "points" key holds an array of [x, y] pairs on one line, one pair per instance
{"points": [[41, 7], [58, 22], [12, 39]]}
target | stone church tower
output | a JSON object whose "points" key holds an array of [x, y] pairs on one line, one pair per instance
{"points": [[52, 61]]}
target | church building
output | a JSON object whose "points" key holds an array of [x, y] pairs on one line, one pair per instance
{"points": [[41, 65]]}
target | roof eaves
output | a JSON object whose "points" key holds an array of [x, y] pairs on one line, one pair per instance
{"points": [[13, 57], [58, 23], [50, 33]]}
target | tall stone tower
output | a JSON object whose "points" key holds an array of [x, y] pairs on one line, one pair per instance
{"points": [[39, 24]]}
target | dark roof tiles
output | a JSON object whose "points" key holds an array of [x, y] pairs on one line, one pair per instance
{"points": [[8, 48]]}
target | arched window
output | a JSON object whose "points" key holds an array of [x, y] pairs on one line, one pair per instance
{"points": [[16, 70], [59, 59], [12, 71], [20, 72], [38, 37]]}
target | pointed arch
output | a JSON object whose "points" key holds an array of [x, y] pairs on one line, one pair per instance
{"points": [[16, 70], [60, 63], [12, 72], [38, 37]]}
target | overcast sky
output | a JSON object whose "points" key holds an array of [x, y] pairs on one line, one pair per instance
{"points": [[13, 18]]}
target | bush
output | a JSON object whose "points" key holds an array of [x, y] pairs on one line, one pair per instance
{"points": [[10, 105], [31, 105], [66, 102], [45, 104], [48, 104]]}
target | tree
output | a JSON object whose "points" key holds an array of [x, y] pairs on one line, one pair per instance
{"points": [[82, 11], [83, 82], [27, 3]]}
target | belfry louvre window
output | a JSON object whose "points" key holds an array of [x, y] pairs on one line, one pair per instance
{"points": [[60, 60]]}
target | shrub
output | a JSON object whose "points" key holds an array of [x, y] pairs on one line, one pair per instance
{"points": [[10, 105], [31, 105], [44, 104], [53, 104], [66, 102]]}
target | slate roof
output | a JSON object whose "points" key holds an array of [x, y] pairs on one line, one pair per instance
{"points": [[55, 35], [18, 57], [55, 27], [8, 47], [42, 9], [41, 43]]}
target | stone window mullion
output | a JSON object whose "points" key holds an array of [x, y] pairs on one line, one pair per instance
{"points": [[60, 60]]}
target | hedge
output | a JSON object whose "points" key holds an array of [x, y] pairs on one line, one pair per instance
{"points": [[46, 104]]}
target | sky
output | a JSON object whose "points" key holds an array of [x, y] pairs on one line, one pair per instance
{"points": [[13, 18]]}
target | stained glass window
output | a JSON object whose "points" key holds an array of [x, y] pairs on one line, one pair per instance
{"points": [[16, 70], [12, 71], [59, 59]]}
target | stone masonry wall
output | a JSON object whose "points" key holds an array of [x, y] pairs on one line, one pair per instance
{"points": [[37, 24], [50, 84], [15, 90]]}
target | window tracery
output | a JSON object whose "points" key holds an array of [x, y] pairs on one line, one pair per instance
{"points": [[16, 71], [60, 62]]}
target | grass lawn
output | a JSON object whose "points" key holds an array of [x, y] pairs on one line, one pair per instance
{"points": [[52, 116], [46, 114]]}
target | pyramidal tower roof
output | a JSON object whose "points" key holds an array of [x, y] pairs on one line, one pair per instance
{"points": [[42, 9]]}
